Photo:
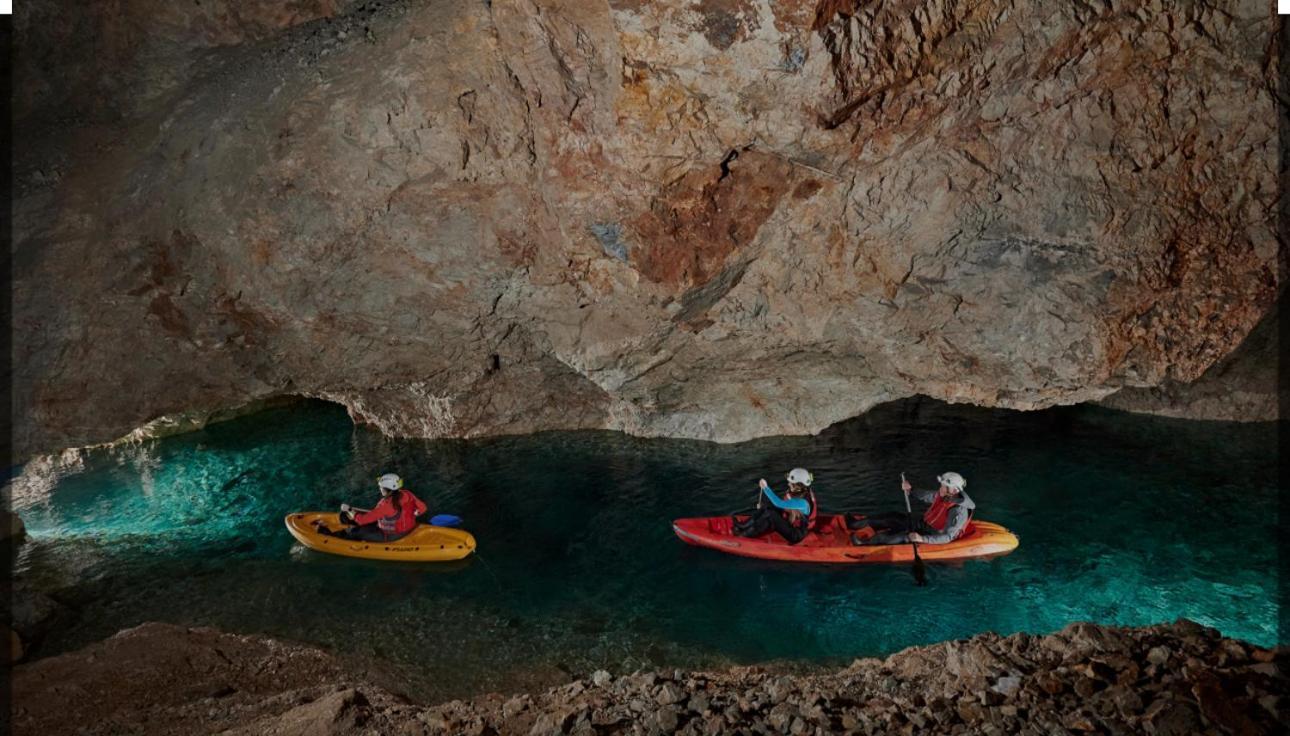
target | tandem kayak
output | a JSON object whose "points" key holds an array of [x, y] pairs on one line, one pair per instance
{"points": [[831, 542], [423, 544]]}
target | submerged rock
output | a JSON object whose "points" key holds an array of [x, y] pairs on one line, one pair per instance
{"points": [[32, 612], [718, 220]]}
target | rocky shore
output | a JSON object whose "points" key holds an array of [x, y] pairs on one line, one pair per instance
{"points": [[1179, 678]]}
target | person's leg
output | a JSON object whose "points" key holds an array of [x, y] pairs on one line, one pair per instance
{"points": [[883, 521], [762, 522], [740, 525], [343, 519], [757, 524], [892, 531], [364, 533], [888, 537], [791, 534]]}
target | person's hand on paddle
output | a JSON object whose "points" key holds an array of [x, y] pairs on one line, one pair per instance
{"points": [[763, 485], [920, 571]]}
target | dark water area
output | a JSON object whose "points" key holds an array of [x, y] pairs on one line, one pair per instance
{"points": [[1123, 519]]}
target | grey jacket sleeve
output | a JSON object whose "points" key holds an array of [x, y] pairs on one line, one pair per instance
{"points": [[954, 523], [927, 497]]}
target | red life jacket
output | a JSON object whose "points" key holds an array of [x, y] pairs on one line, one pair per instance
{"points": [[392, 521], [938, 513]]}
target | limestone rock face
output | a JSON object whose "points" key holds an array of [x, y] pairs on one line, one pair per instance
{"points": [[717, 219], [1247, 385]]}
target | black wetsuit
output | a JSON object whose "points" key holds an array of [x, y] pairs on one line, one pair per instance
{"points": [[890, 528], [894, 527], [360, 533], [767, 519], [770, 518], [364, 533]]}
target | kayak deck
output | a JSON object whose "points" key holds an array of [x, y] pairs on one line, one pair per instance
{"points": [[831, 542], [423, 544]]}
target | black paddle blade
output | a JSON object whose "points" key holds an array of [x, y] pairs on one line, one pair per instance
{"points": [[920, 572]]}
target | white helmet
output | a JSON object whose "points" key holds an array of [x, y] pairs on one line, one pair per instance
{"points": [[801, 476], [952, 480], [390, 482]]}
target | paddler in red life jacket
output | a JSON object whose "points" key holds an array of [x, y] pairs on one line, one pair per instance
{"points": [[944, 520], [792, 516], [394, 516]]}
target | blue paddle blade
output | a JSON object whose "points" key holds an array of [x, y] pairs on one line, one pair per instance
{"points": [[445, 520]]}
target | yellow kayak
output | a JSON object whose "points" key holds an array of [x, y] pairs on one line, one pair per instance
{"points": [[423, 544]]}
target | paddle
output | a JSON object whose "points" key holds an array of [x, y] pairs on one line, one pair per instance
{"points": [[436, 520], [920, 571]]}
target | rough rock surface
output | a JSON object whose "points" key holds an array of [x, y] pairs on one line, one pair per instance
{"points": [[1248, 384], [12, 530], [1176, 679], [165, 679], [32, 613], [716, 219]]}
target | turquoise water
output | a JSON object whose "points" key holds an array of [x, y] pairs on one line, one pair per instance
{"points": [[1122, 519]]}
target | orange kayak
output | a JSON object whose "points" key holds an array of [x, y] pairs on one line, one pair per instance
{"points": [[831, 542]]}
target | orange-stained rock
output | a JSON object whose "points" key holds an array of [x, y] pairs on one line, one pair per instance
{"points": [[462, 219]]}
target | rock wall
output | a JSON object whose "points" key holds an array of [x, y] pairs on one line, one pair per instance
{"points": [[717, 219], [1247, 385]]}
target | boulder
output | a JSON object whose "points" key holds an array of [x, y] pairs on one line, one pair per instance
{"points": [[32, 612], [16, 651], [11, 527], [337, 713]]}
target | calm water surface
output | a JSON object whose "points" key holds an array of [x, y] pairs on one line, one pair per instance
{"points": [[1122, 519]]}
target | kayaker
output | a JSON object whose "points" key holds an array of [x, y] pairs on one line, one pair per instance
{"points": [[792, 516], [944, 520], [394, 516]]}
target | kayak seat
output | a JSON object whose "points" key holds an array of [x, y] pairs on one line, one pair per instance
{"points": [[835, 524]]}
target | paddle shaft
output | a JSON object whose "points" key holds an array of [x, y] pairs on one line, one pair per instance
{"points": [[920, 574], [449, 521]]}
